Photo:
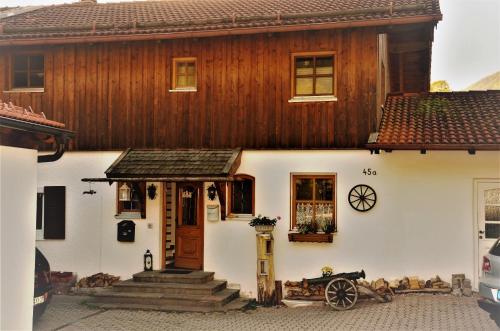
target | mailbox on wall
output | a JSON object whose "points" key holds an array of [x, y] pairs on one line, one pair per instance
{"points": [[126, 231]]}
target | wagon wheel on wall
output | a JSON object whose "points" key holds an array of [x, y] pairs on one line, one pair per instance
{"points": [[362, 197], [341, 294]]}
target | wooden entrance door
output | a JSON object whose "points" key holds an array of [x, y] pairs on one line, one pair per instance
{"points": [[189, 230]]}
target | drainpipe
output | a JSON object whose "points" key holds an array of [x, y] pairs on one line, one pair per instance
{"points": [[60, 149]]}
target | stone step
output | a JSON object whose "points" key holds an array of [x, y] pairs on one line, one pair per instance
{"points": [[194, 277], [170, 288], [216, 300], [236, 304]]}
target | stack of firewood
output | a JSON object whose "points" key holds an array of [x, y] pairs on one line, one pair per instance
{"points": [[415, 285], [98, 280], [303, 290]]}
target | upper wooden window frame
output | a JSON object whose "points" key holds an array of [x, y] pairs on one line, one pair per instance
{"points": [[12, 71], [293, 76], [175, 62], [230, 194], [311, 175]]}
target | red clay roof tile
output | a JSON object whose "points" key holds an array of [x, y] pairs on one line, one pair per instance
{"points": [[10, 110], [168, 16], [450, 120]]}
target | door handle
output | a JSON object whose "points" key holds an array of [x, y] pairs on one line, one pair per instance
{"points": [[481, 232]]}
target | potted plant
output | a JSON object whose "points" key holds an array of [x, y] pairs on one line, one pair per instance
{"points": [[263, 223]]}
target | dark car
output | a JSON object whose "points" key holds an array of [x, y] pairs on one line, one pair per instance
{"points": [[43, 285]]}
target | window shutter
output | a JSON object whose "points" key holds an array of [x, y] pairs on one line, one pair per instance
{"points": [[54, 212], [39, 211]]}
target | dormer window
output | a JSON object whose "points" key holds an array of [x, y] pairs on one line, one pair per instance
{"points": [[28, 71]]}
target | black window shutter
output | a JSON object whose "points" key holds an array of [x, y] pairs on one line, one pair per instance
{"points": [[39, 210], [54, 213]]}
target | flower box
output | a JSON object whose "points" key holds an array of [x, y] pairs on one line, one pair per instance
{"points": [[311, 237], [264, 228]]}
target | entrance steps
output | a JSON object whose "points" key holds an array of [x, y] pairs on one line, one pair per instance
{"points": [[195, 291]]}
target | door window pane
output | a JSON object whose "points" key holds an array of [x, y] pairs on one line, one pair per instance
{"points": [[492, 230], [189, 198]]}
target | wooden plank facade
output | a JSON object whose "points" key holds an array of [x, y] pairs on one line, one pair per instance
{"points": [[116, 95]]}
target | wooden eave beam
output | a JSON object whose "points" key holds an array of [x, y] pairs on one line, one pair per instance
{"points": [[223, 32]]}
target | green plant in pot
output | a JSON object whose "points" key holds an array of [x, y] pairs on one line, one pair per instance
{"points": [[307, 227], [264, 223], [328, 227]]}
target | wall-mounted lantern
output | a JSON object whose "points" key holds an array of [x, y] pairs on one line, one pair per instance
{"points": [[212, 192], [124, 192], [152, 191]]}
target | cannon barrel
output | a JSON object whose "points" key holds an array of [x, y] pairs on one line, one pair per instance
{"points": [[348, 275]]}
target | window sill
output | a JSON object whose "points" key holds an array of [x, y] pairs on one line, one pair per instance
{"points": [[25, 90], [129, 216], [239, 217], [313, 98], [183, 90], [310, 237]]}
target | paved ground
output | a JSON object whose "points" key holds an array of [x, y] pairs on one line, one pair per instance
{"points": [[415, 312]]}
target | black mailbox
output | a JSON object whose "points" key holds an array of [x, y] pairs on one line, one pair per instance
{"points": [[126, 231]]}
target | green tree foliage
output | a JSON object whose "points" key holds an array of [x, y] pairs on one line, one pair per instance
{"points": [[440, 86]]}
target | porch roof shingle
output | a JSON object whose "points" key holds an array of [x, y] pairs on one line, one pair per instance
{"points": [[175, 163], [88, 19], [447, 120]]}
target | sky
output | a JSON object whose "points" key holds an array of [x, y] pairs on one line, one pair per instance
{"points": [[466, 42]]}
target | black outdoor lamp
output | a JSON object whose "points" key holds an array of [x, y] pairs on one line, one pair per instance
{"points": [[212, 192], [152, 191]]}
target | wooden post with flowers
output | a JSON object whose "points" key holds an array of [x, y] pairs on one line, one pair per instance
{"points": [[266, 291]]}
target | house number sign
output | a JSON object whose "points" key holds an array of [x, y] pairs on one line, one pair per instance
{"points": [[369, 172], [362, 197]]}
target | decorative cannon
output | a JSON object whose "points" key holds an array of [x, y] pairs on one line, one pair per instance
{"points": [[341, 290]]}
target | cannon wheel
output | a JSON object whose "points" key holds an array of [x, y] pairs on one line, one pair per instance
{"points": [[341, 294]]}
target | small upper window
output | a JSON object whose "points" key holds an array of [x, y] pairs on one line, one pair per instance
{"points": [[242, 195], [184, 74], [313, 75], [28, 71]]}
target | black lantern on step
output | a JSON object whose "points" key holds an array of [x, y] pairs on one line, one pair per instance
{"points": [[212, 192], [148, 261]]}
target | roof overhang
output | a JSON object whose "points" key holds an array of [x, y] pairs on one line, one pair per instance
{"points": [[180, 165], [220, 32], [440, 147]]}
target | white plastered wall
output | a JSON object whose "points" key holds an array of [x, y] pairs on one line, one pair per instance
{"points": [[18, 180], [91, 244], [421, 225]]}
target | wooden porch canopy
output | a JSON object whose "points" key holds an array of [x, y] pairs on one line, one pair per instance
{"points": [[173, 165]]}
